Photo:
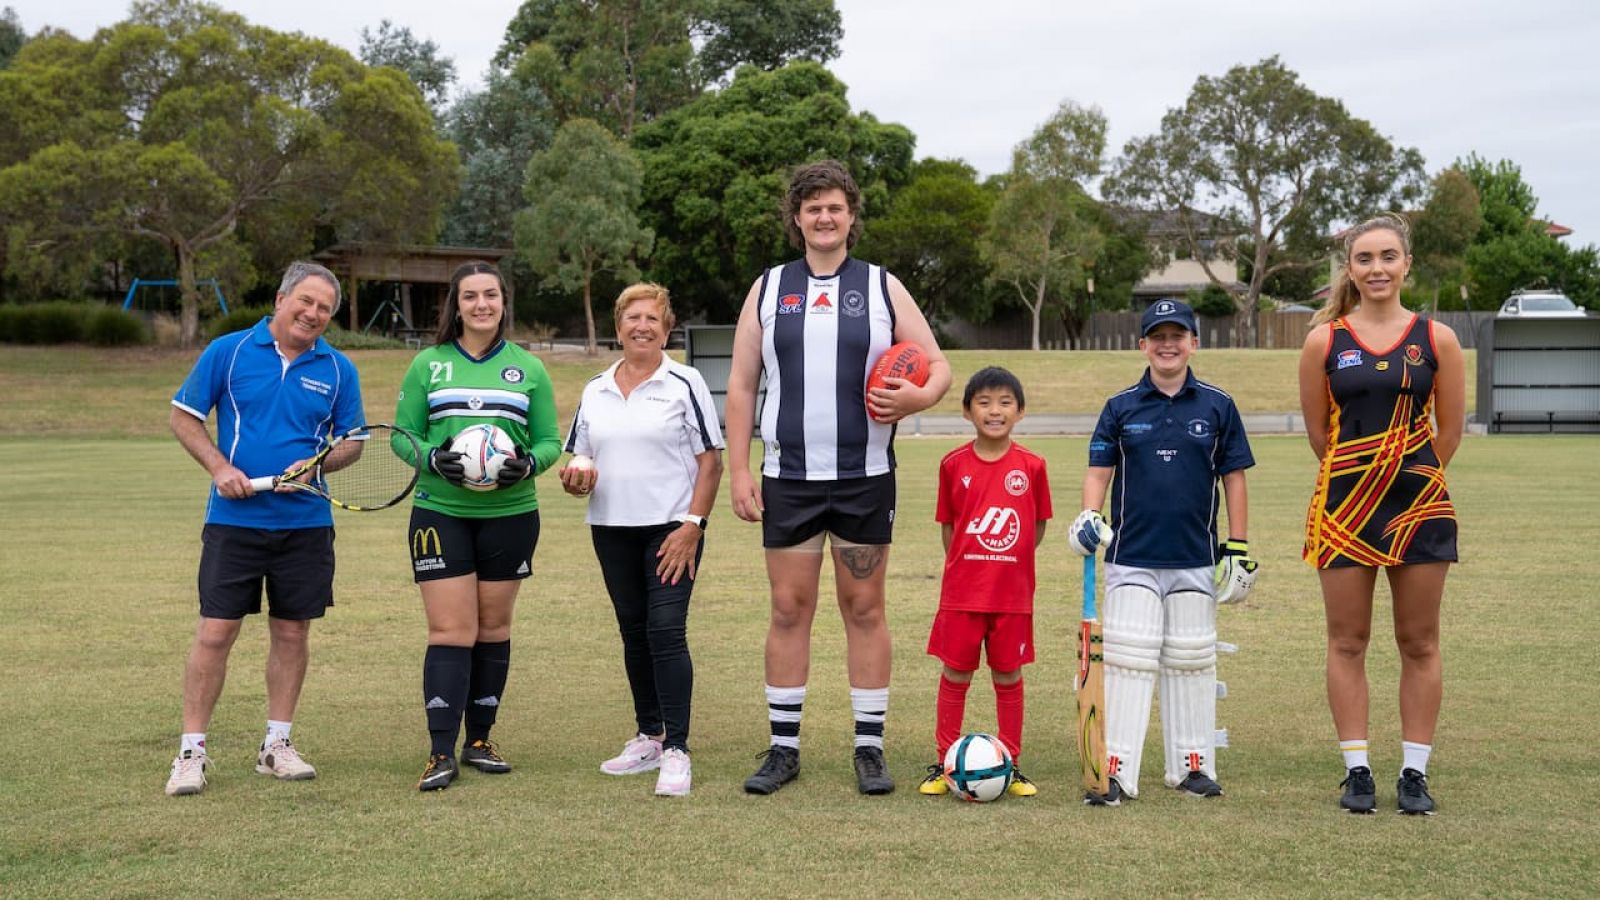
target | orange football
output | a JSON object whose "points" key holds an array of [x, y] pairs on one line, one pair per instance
{"points": [[903, 360]]}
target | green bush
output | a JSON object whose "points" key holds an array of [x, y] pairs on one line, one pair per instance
{"points": [[237, 319], [56, 322], [110, 326], [1212, 301], [356, 340]]}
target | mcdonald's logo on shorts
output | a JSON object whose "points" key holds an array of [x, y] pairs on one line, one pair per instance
{"points": [[424, 539]]}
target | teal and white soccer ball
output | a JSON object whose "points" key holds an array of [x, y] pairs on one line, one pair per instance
{"points": [[484, 449], [978, 768]]}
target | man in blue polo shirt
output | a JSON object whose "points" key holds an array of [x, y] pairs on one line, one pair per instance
{"points": [[279, 390], [1168, 440]]}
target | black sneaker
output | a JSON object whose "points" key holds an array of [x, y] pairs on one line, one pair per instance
{"points": [[780, 767], [440, 772], [485, 757], [872, 775], [1112, 797], [1360, 792], [1199, 784], [1413, 791]]}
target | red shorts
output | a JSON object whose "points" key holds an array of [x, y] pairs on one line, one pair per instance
{"points": [[1006, 638]]}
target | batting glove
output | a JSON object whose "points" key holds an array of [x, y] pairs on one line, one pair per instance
{"points": [[1089, 532], [446, 464], [515, 469], [1236, 572]]}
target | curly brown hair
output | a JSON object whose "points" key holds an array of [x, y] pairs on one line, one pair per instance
{"points": [[812, 179]]}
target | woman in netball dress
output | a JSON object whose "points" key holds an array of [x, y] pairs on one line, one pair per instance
{"points": [[1383, 391]]}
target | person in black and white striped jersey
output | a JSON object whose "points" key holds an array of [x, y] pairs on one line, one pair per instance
{"points": [[648, 454], [815, 326]]}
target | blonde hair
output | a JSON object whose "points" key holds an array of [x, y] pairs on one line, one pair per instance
{"points": [[1345, 296], [645, 290]]}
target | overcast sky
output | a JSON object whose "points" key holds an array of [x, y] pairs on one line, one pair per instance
{"points": [[1518, 81]]}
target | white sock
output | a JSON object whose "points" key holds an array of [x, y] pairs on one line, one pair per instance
{"points": [[870, 706], [193, 740], [784, 705], [276, 730], [1416, 756], [1355, 753]]}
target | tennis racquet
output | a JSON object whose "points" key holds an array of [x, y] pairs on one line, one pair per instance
{"points": [[364, 469]]}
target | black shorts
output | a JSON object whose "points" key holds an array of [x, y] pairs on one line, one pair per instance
{"points": [[296, 564], [497, 549], [858, 510]]}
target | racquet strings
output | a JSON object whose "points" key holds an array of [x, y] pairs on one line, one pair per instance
{"points": [[378, 478]]}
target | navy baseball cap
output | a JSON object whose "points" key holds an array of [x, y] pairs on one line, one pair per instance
{"points": [[1163, 311]]}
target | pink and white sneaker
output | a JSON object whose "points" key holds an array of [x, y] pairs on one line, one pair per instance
{"points": [[641, 754], [674, 778]]}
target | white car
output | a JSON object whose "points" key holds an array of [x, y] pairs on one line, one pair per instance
{"points": [[1540, 305]]}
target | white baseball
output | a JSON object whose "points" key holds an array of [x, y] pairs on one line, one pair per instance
{"points": [[581, 463]]}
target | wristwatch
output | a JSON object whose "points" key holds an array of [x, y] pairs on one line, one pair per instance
{"points": [[697, 521]]}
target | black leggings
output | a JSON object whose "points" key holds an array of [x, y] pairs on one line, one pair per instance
{"points": [[652, 616]]}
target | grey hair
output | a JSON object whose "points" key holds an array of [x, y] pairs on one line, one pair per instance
{"points": [[300, 270]]}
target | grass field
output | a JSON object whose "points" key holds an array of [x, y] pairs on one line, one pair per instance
{"points": [[125, 393], [97, 595]]}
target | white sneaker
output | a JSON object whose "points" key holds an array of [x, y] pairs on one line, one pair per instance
{"points": [[674, 778], [282, 761], [188, 773], [641, 754]]}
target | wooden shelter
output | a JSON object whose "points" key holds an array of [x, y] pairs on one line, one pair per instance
{"points": [[420, 276]]}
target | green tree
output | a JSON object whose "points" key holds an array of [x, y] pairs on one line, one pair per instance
{"points": [[1506, 202], [931, 238], [618, 62], [1443, 231], [186, 125], [716, 169], [1042, 235], [395, 46], [582, 194], [497, 130], [12, 37], [1263, 151], [764, 33], [1512, 248]]}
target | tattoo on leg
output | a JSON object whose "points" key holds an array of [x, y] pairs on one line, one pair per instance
{"points": [[862, 561]]}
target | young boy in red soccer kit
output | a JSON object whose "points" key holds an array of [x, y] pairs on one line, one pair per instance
{"points": [[994, 502]]}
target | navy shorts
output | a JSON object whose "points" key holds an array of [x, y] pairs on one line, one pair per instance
{"points": [[496, 549], [858, 510], [296, 565]]}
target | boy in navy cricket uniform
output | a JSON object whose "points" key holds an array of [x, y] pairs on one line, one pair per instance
{"points": [[994, 503], [1168, 440]]}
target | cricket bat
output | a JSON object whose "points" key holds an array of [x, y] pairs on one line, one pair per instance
{"points": [[1091, 690]]}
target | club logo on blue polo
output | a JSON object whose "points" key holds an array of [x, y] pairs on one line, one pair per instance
{"points": [[853, 304], [1198, 428], [1137, 427], [791, 304], [512, 375], [1348, 358], [312, 384]]}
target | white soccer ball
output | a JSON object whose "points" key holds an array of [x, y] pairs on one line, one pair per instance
{"points": [[484, 449], [978, 768]]}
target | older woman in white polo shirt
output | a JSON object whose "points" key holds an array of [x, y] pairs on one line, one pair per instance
{"points": [[647, 452]]}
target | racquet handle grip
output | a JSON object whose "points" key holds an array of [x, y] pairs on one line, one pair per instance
{"points": [[264, 483]]}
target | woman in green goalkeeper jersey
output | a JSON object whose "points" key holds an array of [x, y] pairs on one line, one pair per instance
{"points": [[470, 548]]}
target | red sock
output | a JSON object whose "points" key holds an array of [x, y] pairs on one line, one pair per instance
{"points": [[1008, 715], [951, 709]]}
